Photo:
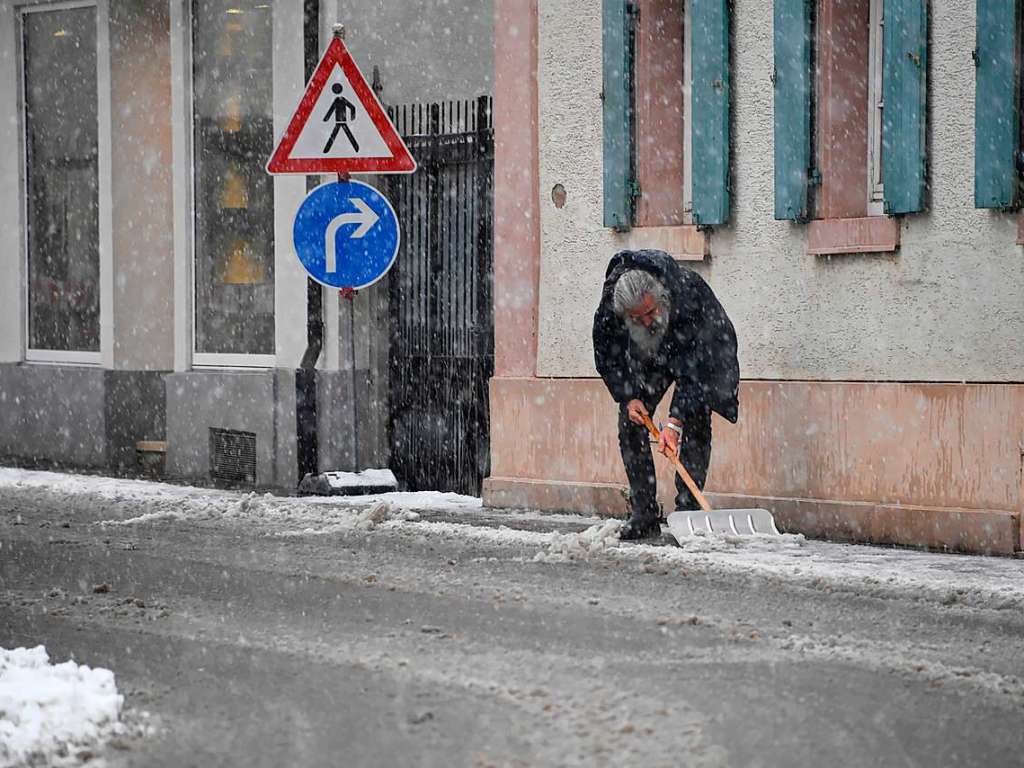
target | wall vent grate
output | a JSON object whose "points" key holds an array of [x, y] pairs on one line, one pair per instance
{"points": [[232, 456]]}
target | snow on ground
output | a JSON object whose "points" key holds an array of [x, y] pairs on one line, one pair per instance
{"points": [[368, 477], [123, 502], [52, 711], [984, 582], [580, 546], [364, 520]]}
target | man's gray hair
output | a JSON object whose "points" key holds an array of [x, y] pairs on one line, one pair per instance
{"points": [[631, 288]]}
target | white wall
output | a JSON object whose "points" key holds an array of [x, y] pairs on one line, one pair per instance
{"points": [[289, 190], [141, 177], [948, 306]]}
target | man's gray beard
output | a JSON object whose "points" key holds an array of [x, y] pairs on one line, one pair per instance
{"points": [[646, 341]]}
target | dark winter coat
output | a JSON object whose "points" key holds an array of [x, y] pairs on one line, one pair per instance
{"points": [[698, 352]]}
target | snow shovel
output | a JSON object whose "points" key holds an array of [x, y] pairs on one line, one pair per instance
{"points": [[740, 522]]}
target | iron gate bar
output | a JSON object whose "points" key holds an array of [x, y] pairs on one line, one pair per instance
{"points": [[442, 350]]}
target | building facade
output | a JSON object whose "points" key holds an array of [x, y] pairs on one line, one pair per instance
{"points": [[149, 291], [844, 175]]}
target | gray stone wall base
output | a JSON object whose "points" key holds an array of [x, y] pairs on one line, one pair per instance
{"points": [[351, 441], [74, 416], [334, 421], [261, 402], [134, 410], [89, 418]]}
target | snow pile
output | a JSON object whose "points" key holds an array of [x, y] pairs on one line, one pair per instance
{"points": [[47, 710], [981, 582], [894, 657], [566, 547], [380, 512], [604, 537], [368, 477], [702, 542], [360, 513], [438, 501], [500, 536], [369, 518], [118, 501], [360, 520]]}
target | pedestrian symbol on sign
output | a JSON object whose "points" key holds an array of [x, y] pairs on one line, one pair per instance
{"points": [[339, 109]]}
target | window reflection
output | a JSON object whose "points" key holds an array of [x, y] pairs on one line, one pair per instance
{"points": [[62, 182], [234, 271]]}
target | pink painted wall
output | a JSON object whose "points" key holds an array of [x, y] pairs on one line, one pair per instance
{"points": [[929, 445], [516, 193]]}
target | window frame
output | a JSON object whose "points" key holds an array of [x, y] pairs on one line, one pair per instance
{"points": [[232, 360], [687, 112], [876, 54], [104, 356]]}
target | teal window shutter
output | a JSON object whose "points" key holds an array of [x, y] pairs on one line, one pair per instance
{"points": [[709, 124], [793, 86], [996, 105], [617, 95], [904, 74]]}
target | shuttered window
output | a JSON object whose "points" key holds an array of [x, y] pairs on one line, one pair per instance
{"points": [[792, 107], [997, 104], [905, 67], [617, 94], [643, 112], [709, 29], [900, 150]]}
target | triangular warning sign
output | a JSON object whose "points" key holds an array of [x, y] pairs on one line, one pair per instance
{"points": [[339, 126]]}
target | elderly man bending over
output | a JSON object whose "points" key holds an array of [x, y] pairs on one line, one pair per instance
{"points": [[659, 324]]}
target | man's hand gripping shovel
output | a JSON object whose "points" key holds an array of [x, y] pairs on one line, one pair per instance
{"points": [[736, 521]]}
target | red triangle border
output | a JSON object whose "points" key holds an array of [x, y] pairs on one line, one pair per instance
{"points": [[401, 161]]}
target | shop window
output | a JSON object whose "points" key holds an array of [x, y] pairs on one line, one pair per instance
{"points": [[61, 181], [665, 112], [232, 54], [861, 85]]}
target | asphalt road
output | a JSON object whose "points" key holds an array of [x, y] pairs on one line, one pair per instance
{"points": [[389, 648]]}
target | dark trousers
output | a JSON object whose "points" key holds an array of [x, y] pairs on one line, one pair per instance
{"points": [[694, 452]]}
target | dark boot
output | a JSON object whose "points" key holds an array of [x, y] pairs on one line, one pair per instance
{"points": [[636, 528]]}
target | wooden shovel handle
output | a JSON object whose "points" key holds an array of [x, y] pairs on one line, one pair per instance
{"points": [[674, 458]]}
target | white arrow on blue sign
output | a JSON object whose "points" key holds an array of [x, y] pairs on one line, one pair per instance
{"points": [[346, 234]]}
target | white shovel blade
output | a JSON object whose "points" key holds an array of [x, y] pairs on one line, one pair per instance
{"points": [[738, 522]]}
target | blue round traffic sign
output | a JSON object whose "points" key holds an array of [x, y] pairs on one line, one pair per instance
{"points": [[346, 234]]}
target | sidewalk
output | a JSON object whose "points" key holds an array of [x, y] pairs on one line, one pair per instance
{"points": [[989, 583]]}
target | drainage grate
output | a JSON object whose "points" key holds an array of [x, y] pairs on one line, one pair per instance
{"points": [[232, 456]]}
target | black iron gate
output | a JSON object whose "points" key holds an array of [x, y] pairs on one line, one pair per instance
{"points": [[442, 315]]}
